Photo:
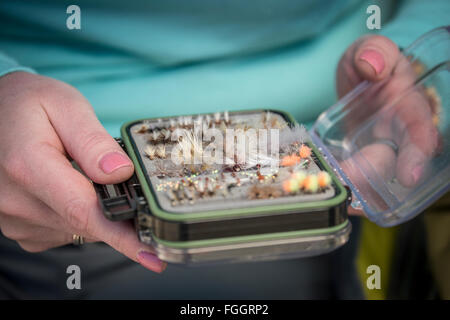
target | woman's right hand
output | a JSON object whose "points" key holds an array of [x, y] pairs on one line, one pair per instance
{"points": [[407, 123], [43, 199]]}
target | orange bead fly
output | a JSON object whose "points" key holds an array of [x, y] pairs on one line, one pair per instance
{"points": [[311, 183], [290, 186], [304, 151], [290, 160], [324, 179]]}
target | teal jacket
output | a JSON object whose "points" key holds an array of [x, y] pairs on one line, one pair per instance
{"points": [[137, 58]]}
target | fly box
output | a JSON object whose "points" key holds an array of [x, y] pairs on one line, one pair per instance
{"points": [[255, 185]]}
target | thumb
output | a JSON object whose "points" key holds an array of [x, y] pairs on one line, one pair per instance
{"points": [[375, 57], [371, 57], [84, 138]]}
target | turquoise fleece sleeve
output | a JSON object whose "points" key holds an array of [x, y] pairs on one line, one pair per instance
{"points": [[414, 18], [8, 65]]}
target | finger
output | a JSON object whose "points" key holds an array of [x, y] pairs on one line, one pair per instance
{"points": [[355, 212], [409, 123], [40, 246], [375, 57], [372, 162], [21, 230], [84, 138], [52, 179], [122, 237], [15, 202], [418, 139]]}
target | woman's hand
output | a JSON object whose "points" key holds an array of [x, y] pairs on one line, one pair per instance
{"points": [[408, 123], [43, 200]]}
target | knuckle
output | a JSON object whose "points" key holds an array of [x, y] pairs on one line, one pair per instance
{"points": [[348, 69], [375, 39], [432, 144], [383, 43], [16, 168], [14, 234], [32, 247], [9, 233], [76, 213], [59, 95], [52, 88], [93, 140]]}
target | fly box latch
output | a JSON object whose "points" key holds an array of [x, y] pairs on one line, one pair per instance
{"points": [[121, 201]]}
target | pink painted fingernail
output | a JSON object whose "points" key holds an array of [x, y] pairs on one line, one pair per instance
{"points": [[374, 58], [150, 261], [113, 161], [417, 173]]}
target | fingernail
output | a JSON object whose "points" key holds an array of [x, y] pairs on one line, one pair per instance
{"points": [[374, 59], [150, 261], [417, 173], [113, 161]]}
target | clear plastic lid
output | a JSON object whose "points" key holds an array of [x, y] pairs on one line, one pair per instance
{"points": [[389, 141]]}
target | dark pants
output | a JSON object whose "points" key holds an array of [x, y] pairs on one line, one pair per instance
{"points": [[106, 274]]}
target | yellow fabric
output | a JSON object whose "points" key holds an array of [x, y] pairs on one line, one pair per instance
{"points": [[437, 224], [376, 247]]}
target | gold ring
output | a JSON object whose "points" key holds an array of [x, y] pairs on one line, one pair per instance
{"points": [[77, 240]]}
